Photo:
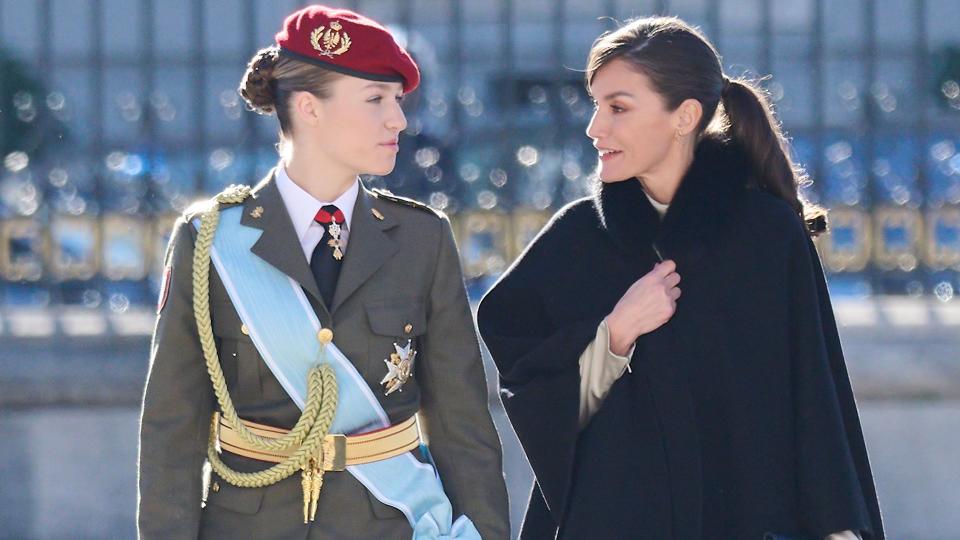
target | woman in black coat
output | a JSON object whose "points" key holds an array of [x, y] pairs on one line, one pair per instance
{"points": [[724, 414]]}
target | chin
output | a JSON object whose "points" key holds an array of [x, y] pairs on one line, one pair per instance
{"points": [[381, 168], [381, 171], [612, 177]]}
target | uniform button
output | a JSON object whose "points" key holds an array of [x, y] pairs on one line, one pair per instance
{"points": [[408, 328], [325, 335], [243, 330], [215, 487]]}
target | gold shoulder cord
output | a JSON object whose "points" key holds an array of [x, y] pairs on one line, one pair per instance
{"points": [[317, 416]]}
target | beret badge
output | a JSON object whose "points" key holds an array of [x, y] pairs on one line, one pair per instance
{"points": [[331, 42]]}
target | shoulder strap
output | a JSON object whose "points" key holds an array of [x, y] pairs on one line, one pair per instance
{"points": [[384, 194]]}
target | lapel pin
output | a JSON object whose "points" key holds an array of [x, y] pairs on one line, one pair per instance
{"points": [[376, 213], [256, 212]]}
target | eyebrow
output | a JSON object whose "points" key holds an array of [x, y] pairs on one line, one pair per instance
{"points": [[608, 97], [380, 85]]}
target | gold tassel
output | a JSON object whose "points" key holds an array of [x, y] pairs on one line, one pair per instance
{"points": [[315, 492], [306, 481]]}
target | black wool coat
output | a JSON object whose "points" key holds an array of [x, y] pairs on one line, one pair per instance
{"points": [[737, 419]]}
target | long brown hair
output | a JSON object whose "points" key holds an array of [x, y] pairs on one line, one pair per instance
{"points": [[682, 64]]}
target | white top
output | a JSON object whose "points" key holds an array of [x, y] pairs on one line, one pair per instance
{"points": [[302, 208], [658, 206]]}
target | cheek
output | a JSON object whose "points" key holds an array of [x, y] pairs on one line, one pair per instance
{"points": [[651, 139], [350, 132]]}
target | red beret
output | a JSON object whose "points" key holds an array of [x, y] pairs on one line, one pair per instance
{"points": [[349, 43]]}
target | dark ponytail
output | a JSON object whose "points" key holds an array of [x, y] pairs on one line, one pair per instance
{"points": [[750, 123], [682, 64]]}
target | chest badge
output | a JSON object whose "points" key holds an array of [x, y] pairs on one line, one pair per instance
{"points": [[399, 367]]}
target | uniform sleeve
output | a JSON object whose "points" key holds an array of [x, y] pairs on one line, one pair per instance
{"points": [[177, 404], [835, 483], [463, 440], [599, 369]]}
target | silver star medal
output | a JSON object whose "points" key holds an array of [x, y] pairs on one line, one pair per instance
{"points": [[334, 241], [399, 367]]}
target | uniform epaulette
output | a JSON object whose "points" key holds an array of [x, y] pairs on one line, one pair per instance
{"points": [[385, 194], [231, 195]]}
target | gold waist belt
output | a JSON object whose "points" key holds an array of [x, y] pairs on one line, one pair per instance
{"points": [[338, 451]]}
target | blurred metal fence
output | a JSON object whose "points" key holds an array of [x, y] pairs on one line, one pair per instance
{"points": [[115, 114]]}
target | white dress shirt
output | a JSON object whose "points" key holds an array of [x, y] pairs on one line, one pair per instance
{"points": [[303, 207]]}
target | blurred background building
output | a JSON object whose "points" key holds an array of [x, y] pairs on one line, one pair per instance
{"points": [[116, 114]]}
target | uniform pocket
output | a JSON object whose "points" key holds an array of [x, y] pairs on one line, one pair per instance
{"points": [[226, 322], [397, 318], [394, 322], [233, 498]]}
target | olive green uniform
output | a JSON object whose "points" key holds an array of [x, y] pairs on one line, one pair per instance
{"points": [[400, 279]]}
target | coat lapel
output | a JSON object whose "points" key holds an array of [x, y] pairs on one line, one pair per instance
{"points": [[278, 245], [368, 247]]}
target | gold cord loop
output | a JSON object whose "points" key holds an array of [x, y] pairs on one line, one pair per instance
{"points": [[322, 392]]}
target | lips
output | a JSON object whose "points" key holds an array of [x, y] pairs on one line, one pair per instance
{"points": [[607, 154]]}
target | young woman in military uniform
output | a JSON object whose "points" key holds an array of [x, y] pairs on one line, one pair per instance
{"points": [[306, 323]]}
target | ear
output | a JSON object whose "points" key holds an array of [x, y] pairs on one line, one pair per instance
{"points": [[307, 108], [688, 115]]}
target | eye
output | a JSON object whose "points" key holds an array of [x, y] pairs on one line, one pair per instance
{"points": [[401, 98], [375, 99], [617, 109]]}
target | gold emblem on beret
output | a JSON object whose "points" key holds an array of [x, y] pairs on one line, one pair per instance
{"points": [[331, 43]]}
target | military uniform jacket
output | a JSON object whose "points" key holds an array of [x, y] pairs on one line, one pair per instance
{"points": [[400, 279]]}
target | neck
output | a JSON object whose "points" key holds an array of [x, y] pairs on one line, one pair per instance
{"points": [[317, 174], [662, 183]]}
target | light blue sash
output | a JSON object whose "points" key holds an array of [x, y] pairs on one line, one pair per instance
{"points": [[283, 327]]}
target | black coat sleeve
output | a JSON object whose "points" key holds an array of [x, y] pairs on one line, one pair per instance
{"points": [[836, 490], [539, 369]]}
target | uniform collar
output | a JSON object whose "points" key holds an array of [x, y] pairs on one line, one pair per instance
{"points": [[370, 244], [303, 207]]}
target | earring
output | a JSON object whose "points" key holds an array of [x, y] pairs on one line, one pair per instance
{"points": [[679, 134]]}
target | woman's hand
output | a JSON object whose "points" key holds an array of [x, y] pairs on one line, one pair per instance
{"points": [[647, 305]]}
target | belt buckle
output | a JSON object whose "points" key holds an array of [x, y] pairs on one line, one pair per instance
{"points": [[335, 452]]}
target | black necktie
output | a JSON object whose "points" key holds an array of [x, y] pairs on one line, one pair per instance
{"points": [[326, 259]]}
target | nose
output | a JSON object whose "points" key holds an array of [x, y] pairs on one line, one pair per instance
{"points": [[396, 120], [596, 128]]}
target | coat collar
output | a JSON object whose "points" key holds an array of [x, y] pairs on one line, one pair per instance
{"points": [[279, 245], [699, 210]]}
